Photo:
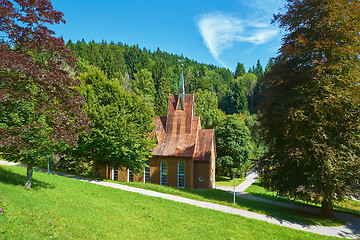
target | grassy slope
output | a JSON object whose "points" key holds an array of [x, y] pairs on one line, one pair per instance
{"points": [[349, 206], [227, 181], [68, 209], [224, 198]]}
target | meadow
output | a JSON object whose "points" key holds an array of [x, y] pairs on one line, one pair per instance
{"points": [[60, 208]]}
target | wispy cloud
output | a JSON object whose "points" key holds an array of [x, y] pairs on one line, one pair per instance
{"points": [[265, 6], [221, 31]]}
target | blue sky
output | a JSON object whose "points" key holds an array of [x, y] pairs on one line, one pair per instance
{"points": [[216, 32]]}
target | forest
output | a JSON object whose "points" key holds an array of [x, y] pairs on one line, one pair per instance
{"points": [[155, 75], [226, 101]]}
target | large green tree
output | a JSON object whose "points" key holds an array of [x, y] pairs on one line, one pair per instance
{"points": [[40, 111], [311, 114], [233, 145], [121, 123]]}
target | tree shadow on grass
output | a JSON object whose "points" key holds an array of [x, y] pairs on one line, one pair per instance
{"points": [[268, 209], [272, 196], [12, 178], [222, 178]]}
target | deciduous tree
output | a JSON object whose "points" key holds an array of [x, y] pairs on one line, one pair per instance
{"points": [[311, 114], [233, 144], [40, 111], [122, 123]]}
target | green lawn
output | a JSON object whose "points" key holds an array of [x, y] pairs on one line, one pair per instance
{"points": [[62, 208], [348, 206], [228, 181], [224, 198]]}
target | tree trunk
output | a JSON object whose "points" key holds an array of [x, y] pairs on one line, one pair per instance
{"points": [[96, 169], [327, 208], [29, 173]]}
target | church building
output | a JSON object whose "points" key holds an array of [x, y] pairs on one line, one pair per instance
{"points": [[185, 154]]}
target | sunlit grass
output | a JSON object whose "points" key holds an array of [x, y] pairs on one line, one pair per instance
{"points": [[224, 198], [348, 206], [228, 181], [62, 208]]}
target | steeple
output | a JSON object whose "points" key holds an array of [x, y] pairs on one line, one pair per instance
{"points": [[180, 104]]}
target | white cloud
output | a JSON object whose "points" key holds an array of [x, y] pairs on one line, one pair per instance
{"points": [[266, 6], [221, 31]]}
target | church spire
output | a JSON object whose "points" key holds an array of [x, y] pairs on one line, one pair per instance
{"points": [[181, 86]]}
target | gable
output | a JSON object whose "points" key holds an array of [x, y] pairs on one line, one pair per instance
{"points": [[179, 134]]}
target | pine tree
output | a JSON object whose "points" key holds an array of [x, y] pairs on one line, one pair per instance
{"points": [[258, 69], [239, 71]]}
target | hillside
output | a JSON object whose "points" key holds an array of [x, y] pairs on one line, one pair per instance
{"points": [[134, 66], [63, 208]]}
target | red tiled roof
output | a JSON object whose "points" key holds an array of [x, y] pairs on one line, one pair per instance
{"points": [[204, 145], [180, 134]]}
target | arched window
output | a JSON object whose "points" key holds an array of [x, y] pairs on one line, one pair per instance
{"points": [[181, 175], [163, 173], [130, 175], [115, 174], [147, 173]]}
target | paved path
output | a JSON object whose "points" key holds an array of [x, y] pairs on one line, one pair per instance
{"points": [[251, 177], [351, 230]]}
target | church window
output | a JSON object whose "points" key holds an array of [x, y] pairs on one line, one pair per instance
{"points": [[163, 173], [130, 175], [181, 175], [147, 172]]}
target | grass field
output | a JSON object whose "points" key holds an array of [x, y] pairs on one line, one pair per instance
{"points": [[224, 198], [62, 208], [227, 181], [348, 206]]}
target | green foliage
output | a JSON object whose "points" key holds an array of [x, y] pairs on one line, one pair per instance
{"points": [[258, 70], [311, 112], [239, 71], [269, 65], [206, 107], [235, 99], [121, 123], [143, 86], [123, 62], [162, 87], [258, 146], [248, 83], [233, 145], [155, 75], [40, 110]]}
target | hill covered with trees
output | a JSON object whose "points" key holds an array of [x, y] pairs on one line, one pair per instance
{"points": [[152, 76], [155, 75]]}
